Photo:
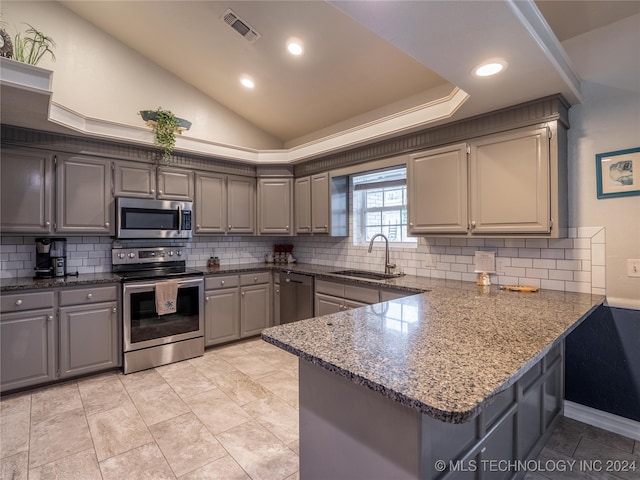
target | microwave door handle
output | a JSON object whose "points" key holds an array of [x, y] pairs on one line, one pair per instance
{"points": [[179, 219]]}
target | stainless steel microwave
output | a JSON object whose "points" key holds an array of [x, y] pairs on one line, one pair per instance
{"points": [[147, 218]]}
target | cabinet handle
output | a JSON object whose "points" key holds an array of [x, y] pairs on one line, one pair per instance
{"points": [[255, 279], [46, 224], [230, 227], [221, 282], [207, 299], [114, 310], [243, 294], [159, 192], [286, 227], [308, 227], [411, 224], [90, 296], [18, 302], [106, 224], [473, 224], [49, 317], [326, 226], [198, 226], [153, 190], [277, 290]]}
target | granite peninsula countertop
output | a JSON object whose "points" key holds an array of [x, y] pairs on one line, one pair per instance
{"points": [[445, 353]]}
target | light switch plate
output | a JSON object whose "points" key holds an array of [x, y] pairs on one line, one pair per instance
{"points": [[633, 267]]}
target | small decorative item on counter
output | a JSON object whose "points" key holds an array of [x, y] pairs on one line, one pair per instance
{"points": [[290, 259], [268, 258], [213, 262], [484, 279], [518, 288], [282, 252]]}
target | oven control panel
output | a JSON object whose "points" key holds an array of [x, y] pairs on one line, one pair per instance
{"points": [[124, 256]]}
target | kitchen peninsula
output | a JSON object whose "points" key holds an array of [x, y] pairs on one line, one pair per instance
{"points": [[422, 386]]}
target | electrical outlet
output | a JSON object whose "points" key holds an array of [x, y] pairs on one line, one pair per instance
{"points": [[633, 267]]}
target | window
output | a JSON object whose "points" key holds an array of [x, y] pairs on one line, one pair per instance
{"points": [[380, 206]]}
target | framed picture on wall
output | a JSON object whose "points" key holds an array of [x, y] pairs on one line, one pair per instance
{"points": [[618, 173]]}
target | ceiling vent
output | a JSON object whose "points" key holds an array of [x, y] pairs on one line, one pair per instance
{"points": [[240, 26]]}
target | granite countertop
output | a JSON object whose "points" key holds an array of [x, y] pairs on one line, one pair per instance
{"points": [[445, 353], [29, 283]]}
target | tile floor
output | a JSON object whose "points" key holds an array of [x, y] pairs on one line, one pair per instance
{"points": [[231, 414]]}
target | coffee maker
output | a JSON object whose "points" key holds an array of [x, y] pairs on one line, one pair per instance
{"points": [[51, 257]]}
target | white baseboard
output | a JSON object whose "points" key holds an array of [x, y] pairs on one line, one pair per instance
{"points": [[606, 421]]}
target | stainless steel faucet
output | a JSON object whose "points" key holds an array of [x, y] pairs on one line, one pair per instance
{"points": [[387, 266]]}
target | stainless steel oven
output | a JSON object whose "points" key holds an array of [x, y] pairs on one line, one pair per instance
{"points": [[149, 339]]}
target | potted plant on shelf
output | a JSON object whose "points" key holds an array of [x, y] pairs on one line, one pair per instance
{"points": [[31, 46], [165, 126]]}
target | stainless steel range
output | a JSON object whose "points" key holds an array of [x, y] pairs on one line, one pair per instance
{"points": [[151, 339]]}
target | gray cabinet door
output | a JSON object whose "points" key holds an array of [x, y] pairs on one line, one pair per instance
{"points": [[275, 209], [302, 204], [509, 182], [175, 184], [26, 192], [276, 303], [28, 353], [255, 309], [88, 338], [320, 203], [135, 180], [241, 200], [437, 190], [222, 316], [211, 203], [326, 304], [83, 200]]}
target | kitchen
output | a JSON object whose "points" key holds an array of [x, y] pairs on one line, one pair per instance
{"points": [[588, 216]]}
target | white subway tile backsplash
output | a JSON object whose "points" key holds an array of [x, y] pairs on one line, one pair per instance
{"points": [[561, 275], [537, 273], [598, 277], [522, 262], [552, 253], [529, 252]]}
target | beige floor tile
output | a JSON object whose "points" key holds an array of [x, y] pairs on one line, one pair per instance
{"points": [[186, 443], [253, 365], [592, 449], [551, 457], [276, 415], [186, 381], [283, 384], [213, 367], [101, 393], [233, 350], [118, 430], [259, 452], [14, 433], [295, 446], [52, 401], [224, 468], [610, 439], [15, 467], [15, 404], [59, 436], [280, 359], [295, 476], [80, 466], [217, 411], [158, 403], [142, 463], [141, 380], [239, 387]]}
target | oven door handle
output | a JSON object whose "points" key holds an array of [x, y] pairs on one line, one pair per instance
{"points": [[181, 283]]}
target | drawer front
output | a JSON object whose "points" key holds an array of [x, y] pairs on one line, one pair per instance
{"points": [[361, 294], [88, 295], [255, 278], [19, 302], [220, 281], [330, 288]]}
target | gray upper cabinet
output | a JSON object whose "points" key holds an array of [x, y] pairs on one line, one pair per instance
{"points": [[510, 183], [175, 184], [84, 200], [437, 190], [275, 208], [302, 204], [211, 203], [241, 201], [147, 181], [135, 180], [312, 203], [26, 191]]}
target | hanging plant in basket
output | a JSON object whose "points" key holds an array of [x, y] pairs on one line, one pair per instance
{"points": [[165, 126]]}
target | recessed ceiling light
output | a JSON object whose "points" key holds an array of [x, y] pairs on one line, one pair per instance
{"points": [[294, 46], [489, 68], [247, 81]]}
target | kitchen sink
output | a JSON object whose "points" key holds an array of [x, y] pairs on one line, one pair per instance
{"points": [[366, 274]]}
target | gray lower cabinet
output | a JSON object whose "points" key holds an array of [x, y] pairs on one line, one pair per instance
{"points": [[276, 298], [333, 297], [255, 303], [88, 330], [28, 339], [221, 309]]}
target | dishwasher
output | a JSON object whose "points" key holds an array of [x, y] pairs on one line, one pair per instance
{"points": [[296, 296]]}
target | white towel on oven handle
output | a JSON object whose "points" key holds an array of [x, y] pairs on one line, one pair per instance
{"points": [[166, 297]]}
